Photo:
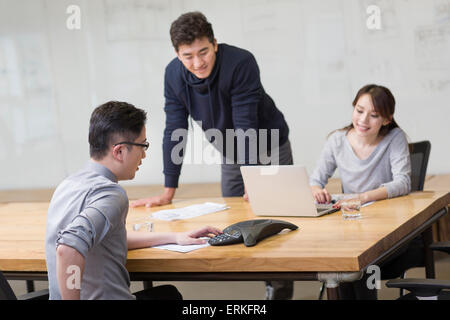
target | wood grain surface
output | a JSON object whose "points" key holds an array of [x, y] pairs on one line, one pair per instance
{"points": [[327, 243]]}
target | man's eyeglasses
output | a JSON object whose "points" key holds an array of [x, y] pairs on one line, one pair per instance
{"points": [[143, 145]]}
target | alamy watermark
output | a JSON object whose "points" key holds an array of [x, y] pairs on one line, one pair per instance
{"points": [[374, 280], [237, 145], [73, 21], [373, 21], [74, 280]]}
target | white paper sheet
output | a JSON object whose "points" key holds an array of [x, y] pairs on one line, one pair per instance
{"points": [[183, 249], [191, 211], [341, 196]]}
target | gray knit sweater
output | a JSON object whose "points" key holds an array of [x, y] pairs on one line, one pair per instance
{"points": [[389, 165]]}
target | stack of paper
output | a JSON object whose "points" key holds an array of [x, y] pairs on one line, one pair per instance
{"points": [[180, 248], [192, 211]]}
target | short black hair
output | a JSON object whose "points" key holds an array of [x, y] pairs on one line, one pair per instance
{"points": [[189, 27], [111, 121]]}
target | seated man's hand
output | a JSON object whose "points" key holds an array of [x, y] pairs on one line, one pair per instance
{"points": [[193, 237]]}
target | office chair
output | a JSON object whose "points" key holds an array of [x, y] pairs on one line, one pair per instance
{"points": [[414, 254], [425, 289], [6, 292], [419, 153]]}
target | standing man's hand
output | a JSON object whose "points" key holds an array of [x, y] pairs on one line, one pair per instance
{"points": [[245, 194], [163, 199]]}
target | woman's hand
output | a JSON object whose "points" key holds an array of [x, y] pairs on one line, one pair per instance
{"points": [[359, 197], [320, 195]]}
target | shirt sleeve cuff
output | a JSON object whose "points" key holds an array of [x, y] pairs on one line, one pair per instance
{"points": [[171, 181], [74, 242]]}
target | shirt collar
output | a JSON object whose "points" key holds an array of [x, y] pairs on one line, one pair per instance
{"points": [[102, 170]]}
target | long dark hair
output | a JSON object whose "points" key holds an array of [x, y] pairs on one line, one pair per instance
{"points": [[384, 103]]}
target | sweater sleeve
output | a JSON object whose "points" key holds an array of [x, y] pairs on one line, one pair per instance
{"points": [[326, 165], [175, 135], [246, 93], [400, 166]]}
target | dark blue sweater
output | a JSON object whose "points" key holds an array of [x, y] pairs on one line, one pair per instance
{"points": [[232, 97]]}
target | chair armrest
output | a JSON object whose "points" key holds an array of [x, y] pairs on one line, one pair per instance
{"points": [[35, 295], [420, 287], [441, 246]]}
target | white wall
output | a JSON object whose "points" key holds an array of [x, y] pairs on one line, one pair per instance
{"points": [[313, 57]]}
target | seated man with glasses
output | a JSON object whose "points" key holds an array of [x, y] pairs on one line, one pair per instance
{"points": [[86, 239]]}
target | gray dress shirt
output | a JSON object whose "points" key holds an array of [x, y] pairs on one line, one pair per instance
{"points": [[389, 165], [88, 212]]}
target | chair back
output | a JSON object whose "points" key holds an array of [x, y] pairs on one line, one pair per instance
{"points": [[6, 292], [419, 152]]}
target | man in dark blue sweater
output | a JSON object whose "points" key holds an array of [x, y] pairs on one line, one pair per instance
{"points": [[219, 86]]}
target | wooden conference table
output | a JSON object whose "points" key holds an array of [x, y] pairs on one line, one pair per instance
{"points": [[327, 248]]}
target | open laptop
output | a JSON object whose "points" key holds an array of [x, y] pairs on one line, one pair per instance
{"points": [[281, 191]]}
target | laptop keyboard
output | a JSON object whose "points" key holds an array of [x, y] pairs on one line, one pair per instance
{"points": [[323, 207]]}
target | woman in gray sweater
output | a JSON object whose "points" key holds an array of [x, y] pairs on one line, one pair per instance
{"points": [[371, 153], [373, 159]]}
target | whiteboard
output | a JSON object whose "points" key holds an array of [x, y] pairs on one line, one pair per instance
{"points": [[313, 57]]}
